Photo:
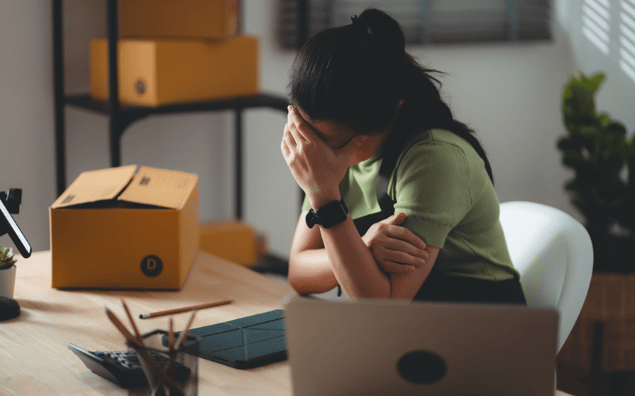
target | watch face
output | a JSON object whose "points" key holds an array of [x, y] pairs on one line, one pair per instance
{"points": [[328, 215], [332, 214]]}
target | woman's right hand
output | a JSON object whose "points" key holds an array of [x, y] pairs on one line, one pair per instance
{"points": [[395, 248]]}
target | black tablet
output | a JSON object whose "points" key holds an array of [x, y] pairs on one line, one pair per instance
{"points": [[244, 343]]}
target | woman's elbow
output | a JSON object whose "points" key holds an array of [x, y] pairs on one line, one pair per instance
{"points": [[293, 278], [298, 280], [304, 285], [296, 283]]}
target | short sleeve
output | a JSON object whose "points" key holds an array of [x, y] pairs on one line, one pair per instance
{"points": [[432, 187]]}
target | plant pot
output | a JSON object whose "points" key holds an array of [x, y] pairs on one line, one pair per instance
{"points": [[7, 282], [601, 345]]}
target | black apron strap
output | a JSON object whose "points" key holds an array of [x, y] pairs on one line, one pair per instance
{"points": [[386, 204]]}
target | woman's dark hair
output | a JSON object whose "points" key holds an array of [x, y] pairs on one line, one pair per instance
{"points": [[356, 75]]}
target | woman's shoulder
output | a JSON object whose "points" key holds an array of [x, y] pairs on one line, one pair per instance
{"points": [[439, 156], [442, 155], [440, 138], [435, 144]]}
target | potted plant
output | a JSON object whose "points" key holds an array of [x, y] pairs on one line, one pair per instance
{"points": [[7, 272], [602, 189]]}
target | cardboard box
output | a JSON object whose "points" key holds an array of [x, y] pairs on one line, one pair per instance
{"points": [[232, 240], [261, 245], [201, 19], [160, 72], [125, 228]]}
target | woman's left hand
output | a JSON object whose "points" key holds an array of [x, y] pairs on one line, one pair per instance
{"points": [[316, 167]]}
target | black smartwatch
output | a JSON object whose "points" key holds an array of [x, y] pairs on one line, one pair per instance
{"points": [[328, 215]]}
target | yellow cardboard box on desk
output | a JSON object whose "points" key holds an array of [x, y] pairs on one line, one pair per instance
{"points": [[125, 228], [160, 72], [231, 239], [202, 19]]}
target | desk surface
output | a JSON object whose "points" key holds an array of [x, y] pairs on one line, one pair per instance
{"points": [[35, 359]]}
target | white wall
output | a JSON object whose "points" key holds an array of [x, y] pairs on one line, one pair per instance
{"points": [[617, 95], [510, 94], [26, 114]]}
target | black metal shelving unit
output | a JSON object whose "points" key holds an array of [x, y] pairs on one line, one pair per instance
{"points": [[121, 116]]}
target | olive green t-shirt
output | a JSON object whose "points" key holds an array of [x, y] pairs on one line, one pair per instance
{"points": [[441, 184]]}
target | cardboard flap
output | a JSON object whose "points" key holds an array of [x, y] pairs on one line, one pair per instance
{"points": [[94, 186], [151, 186]]}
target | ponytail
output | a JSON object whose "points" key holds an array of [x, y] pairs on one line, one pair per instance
{"points": [[424, 106]]}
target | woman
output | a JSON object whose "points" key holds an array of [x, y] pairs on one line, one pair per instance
{"points": [[369, 138]]}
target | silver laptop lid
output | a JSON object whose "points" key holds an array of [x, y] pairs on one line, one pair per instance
{"points": [[380, 347]]}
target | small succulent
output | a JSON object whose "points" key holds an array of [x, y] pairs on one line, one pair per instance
{"points": [[6, 258]]}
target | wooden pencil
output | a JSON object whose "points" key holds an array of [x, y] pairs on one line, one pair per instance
{"points": [[132, 323], [184, 309], [158, 376]]}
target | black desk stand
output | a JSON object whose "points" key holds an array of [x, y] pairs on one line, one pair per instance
{"points": [[9, 205]]}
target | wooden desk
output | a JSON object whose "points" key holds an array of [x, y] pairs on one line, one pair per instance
{"points": [[35, 360]]}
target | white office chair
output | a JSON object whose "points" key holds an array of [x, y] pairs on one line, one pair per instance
{"points": [[554, 255]]}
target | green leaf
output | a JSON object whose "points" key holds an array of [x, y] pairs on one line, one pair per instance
{"points": [[596, 81], [604, 119], [617, 128], [6, 258], [593, 132]]}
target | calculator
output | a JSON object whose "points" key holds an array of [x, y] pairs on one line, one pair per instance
{"points": [[123, 367]]}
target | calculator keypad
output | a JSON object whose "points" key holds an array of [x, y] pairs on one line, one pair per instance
{"points": [[130, 360]]}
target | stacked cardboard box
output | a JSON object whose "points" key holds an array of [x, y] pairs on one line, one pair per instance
{"points": [[177, 51], [233, 240], [183, 51]]}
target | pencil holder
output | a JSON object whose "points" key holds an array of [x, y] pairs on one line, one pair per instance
{"points": [[168, 372]]}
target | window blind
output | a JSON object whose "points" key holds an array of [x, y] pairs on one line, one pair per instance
{"points": [[627, 37], [596, 15], [423, 21]]}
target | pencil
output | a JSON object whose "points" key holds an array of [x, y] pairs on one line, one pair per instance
{"points": [[184, 309], [132, 323]]}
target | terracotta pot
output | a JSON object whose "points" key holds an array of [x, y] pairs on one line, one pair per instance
{"points": [[7, 282]]}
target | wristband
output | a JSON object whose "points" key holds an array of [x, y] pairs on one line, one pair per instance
{"points": [[328, 215]]}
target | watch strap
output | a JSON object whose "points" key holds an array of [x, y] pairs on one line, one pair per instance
{"points": [[312, 218], [328, 215]]}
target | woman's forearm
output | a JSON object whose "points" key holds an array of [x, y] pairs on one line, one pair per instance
{"points": [[345, 260], [319, 168], [311, 272], [352, 262]]}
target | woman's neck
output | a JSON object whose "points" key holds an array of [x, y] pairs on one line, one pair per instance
{"points": [[373, 145]]}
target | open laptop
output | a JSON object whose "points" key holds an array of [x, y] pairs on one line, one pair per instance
{"points": [[381, 347]]}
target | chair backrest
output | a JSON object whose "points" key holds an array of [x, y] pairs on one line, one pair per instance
{"points": [[554, 255]]}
